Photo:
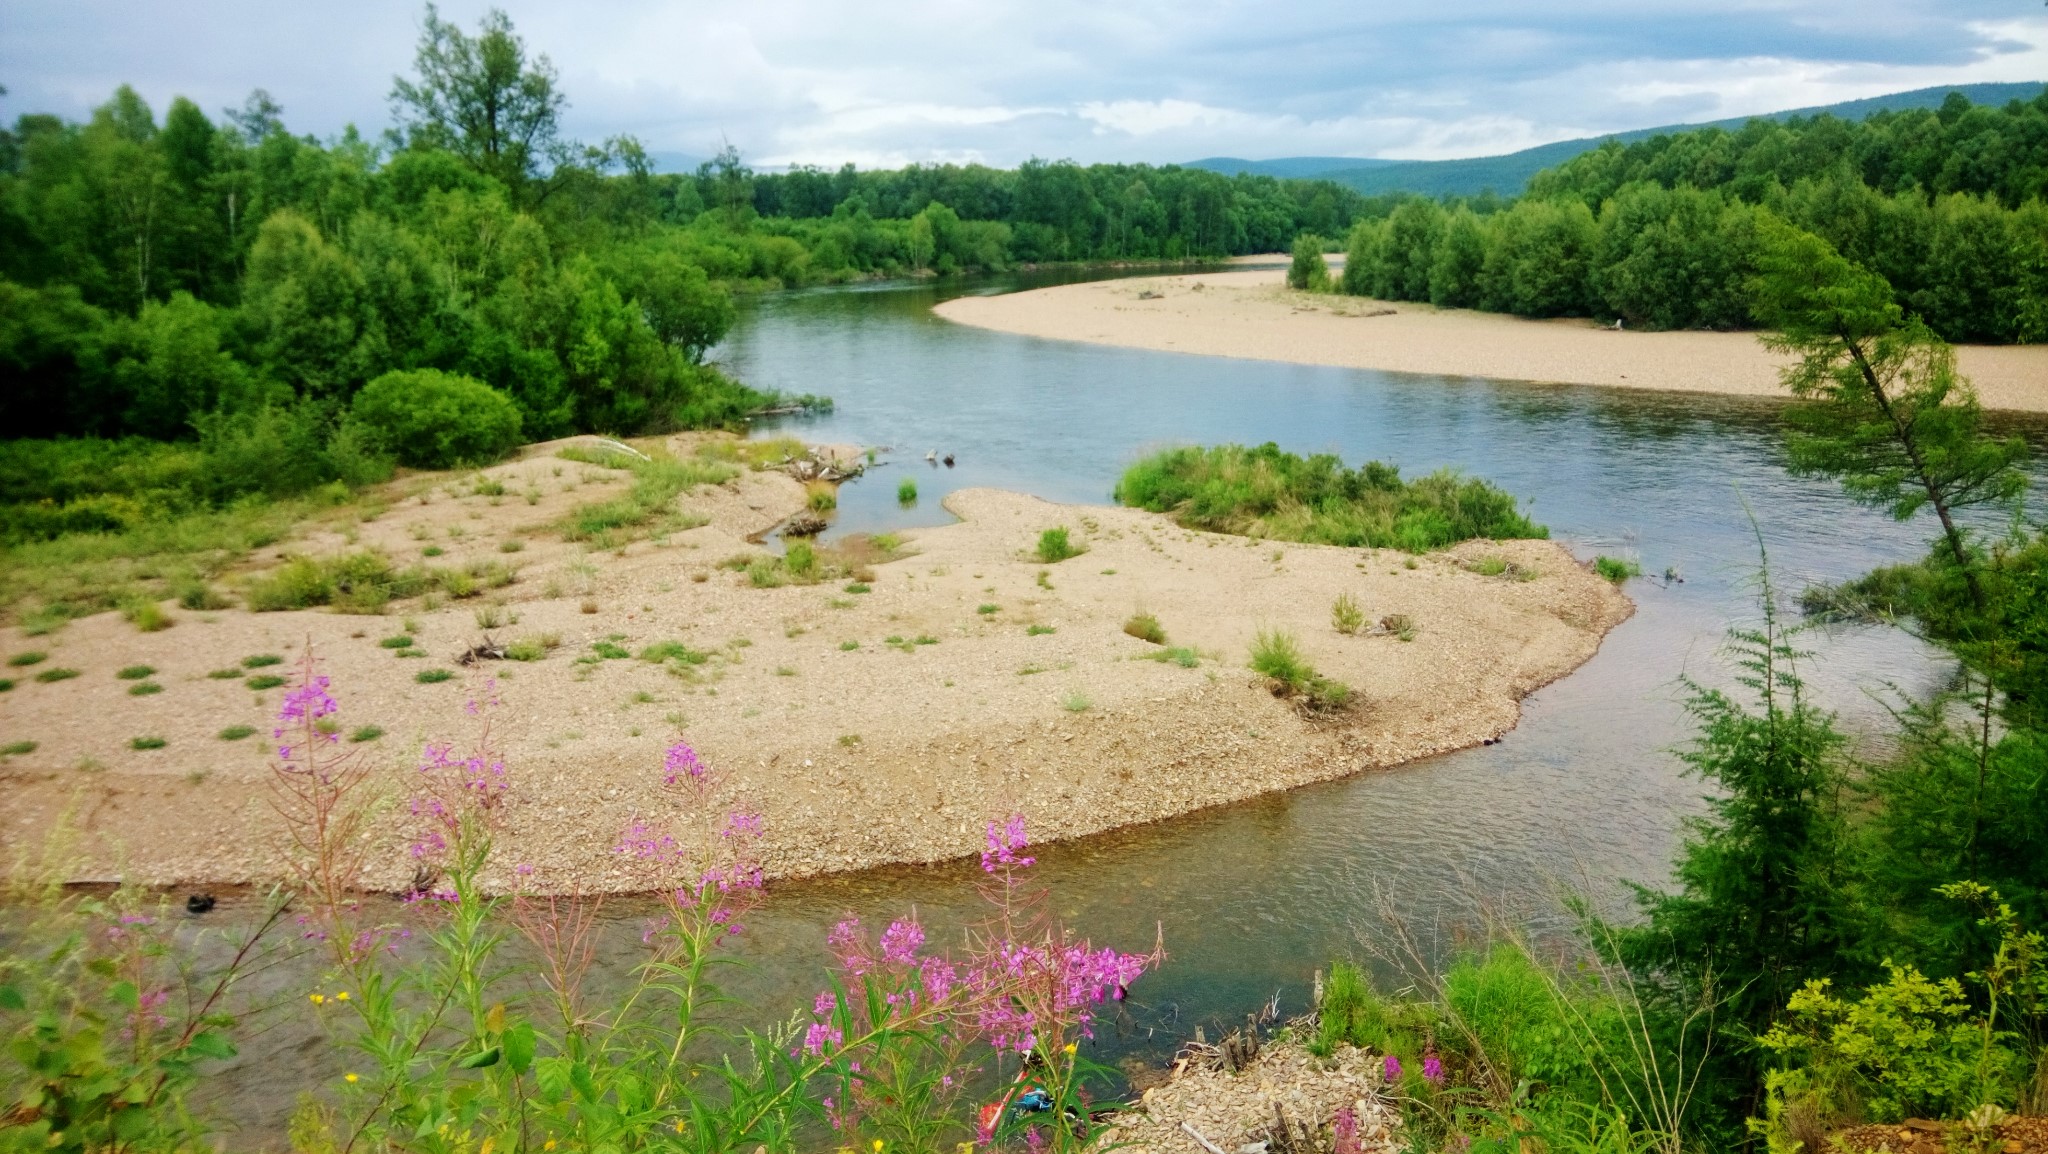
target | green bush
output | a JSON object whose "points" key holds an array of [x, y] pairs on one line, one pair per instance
{"points": [[1308, 271], [1345, 614], [906, 492], [1278, 656], [435, 420], [1263, 492], [1615, 569], [1145, 627], [1054, 545]]}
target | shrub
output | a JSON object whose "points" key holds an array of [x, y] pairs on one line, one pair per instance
{"points": [[237, 732], [906, 492], [147, 616], [1145, 627], [1263, 492], [1308, 271], [1346, 615], [1054, 545], [1278, 656], [1076, 702], [143, 743], [435, 420], [1616, 569], [265, 681], [431, 676], [198, 596], [135, 672]]}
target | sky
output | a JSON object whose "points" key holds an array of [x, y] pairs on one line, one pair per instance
{"points": [[999, 81]]}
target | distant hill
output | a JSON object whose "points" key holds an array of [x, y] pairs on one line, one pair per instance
{"points": [[1508, 174]]}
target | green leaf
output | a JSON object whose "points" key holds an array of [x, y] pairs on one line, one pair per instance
{"points": [[519, 1047], [11, 999], [126, 994], [208, 1044], [479, 1061]]}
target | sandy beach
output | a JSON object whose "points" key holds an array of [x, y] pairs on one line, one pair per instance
{"points": [[867, 727], [1250, 313]]}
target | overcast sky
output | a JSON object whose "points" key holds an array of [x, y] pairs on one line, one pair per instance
{"points": [[885, 82]]}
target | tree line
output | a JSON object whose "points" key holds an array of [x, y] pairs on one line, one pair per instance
{"points": [[1665, 233]]}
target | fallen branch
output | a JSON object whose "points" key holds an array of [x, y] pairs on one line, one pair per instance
{"points": [[1211, 1147]]}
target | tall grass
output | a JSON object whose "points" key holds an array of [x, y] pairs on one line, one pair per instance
{"points": [[1278, 656], [650, 506], [1263, 492]]}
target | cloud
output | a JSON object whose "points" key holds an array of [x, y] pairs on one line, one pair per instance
{"points": [[823, 81]]}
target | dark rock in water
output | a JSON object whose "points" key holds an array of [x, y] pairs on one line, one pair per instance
{"points": [[198, 903], [949, 460], [804, 526]]}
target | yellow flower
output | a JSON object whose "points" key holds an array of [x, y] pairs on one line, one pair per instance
{"points": [[548, 1145], [489, 1145], [878, 1146], [343, 997], [348, 1077], [317, 999], [1070, 1046]]}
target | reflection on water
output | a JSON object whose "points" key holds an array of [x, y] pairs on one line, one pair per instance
{"points": [[1254, 897]]}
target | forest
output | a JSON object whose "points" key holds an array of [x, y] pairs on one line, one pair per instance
{"points": [[1946, 204]]}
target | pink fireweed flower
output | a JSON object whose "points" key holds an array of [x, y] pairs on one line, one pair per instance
{"points": [[1392, 1068], [825, 1003], [1003, 843], [682, 766], [819, 1036], [901, 941], [1344, 1132], [1433, 1070], [738, 824], [644, 842]]}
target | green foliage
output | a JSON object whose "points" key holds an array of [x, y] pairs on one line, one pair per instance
{"points": [[264, 681], [1616, 569], [435, 420], [650, 507], [1145, 627], [1278, 657], [432, 676], [142, 744], [1308, 272], [1264, 492], [1345, 615], [236, 732], [906, 492], [1054, 545], [56, 673]]}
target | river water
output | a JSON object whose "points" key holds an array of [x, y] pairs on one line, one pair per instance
{"points": [[1252, 898]]}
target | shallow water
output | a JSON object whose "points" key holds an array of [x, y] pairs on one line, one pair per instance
{"points": [[1252, 898]]}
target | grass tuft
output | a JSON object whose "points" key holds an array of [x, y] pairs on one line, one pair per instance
{"points": [[906, 492], [17, 748], [147, 616], [236, 732], [1054, 545], [135, 672], [260, 660], [1145, 627], [142, 743], [1345, 614], [1039, 630], [431, 676], [265, 681], [50, 675], [1616, 569], [22, 660], [366, 733], [1277, 656], [145, 689]]}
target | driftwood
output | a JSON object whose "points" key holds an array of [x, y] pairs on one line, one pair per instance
{"points": [[486, 650], [811, 467], [1288, 1137], [1201, 1141], [803, 525], [1149, 295], [1241, 1047]]}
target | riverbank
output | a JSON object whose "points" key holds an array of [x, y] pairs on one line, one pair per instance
{"points": [[868, 725], [1251, 314]]}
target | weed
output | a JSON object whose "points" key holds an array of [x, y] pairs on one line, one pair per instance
{"points": [[265, 681], [260, 660], [924, 639], [1109, 572], [1277, 656], [1346, 615], [1179, 655], [410, 653], [144, 689], [432, 551], [430, 676], [588, 606], [142, 743], [6, 684], [1399, 624], [641, 697], [1028, 670], [196, 595], [785, 671], [49, 675], [1038, 630], [674, 651], [1488, 566], [1616, 569], [366, 733], [857, 587], [906, 492], [1055, 546], [401, 641], [17, 748], [821, 496], [22, 660], [511, 546], [848, 646], [488, 617], [985, 610], [849, 740], [236, 732], [226, 675], [1145, 627], [526, 649], [1045, 579], [839, 602], [1076, 702], [135, 672], [610, 650]]}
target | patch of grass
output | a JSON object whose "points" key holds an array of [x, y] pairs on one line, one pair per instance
{"points": [[610, 650], [236, 732], [49, 675], [650, 507], [23, 660], [366, 733], [924, 639], [1399, 625], [848, 646], [143, 743], [533, 648], [1038, 630], [1145, 627], [1179, 655], [906, 492], [226, 674], [195, 594], [1345, 614], [1616, 569], [6, 683], [265, 681], [785, 671], [432, 551], [1488, 566], [513, 546], [849, 740], [1045, 579], [400, 641], [145, 689], [17, 748], [1054, 546], [147, 616], [985, 610], [432, 676], [676, 651], [260, 660], [1076, 702], [1277, 656], [821, 496], [857, 587], [135, 672], [1263, 492]]}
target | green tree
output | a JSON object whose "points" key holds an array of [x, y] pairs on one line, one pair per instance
{"points": [[479, 97], [1308, 272]]}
